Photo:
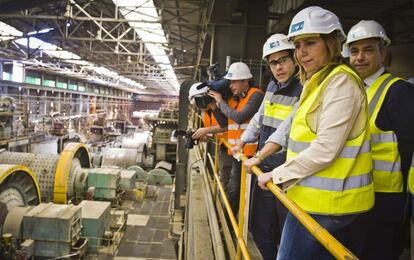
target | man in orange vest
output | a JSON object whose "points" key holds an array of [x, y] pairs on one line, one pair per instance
{"points": [[239, 110]]}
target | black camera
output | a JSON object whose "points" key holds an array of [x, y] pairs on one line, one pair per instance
{"points": [[189, 141]]}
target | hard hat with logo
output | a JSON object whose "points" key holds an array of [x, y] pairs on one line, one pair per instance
{"points": [[276, 42], [315, 20], [238, 71], [197, 89], [367, 29]]}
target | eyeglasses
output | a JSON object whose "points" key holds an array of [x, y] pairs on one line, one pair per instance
{"points": [[279, 61]]}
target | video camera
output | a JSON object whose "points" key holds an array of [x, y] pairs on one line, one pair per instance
{"points": [[189, 142], [217, 84]]}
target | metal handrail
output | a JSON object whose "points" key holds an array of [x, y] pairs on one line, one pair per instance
{"points": [[242, 248], [338, 250]]}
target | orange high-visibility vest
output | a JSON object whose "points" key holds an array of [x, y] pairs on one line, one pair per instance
{"points": [[210, 120], [235, 130]]}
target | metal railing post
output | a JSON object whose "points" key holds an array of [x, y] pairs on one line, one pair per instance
{"points": [[216, 167], [241, 207]]}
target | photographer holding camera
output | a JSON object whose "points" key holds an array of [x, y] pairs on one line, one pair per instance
{"points": [[215, 122], [239, 110]]}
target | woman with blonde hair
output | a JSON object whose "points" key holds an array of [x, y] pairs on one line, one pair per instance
{"points": [[328, 167]]}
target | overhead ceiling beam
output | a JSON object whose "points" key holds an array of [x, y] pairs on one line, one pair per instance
{"points": [[98, 19]]}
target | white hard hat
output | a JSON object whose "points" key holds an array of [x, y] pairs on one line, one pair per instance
{"points": [[238, 71], [315, 20], [275, 43], [367, 29], [197, 89], [345, 51]]}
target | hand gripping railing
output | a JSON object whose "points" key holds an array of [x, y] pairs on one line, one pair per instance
{"points": [[322, 235]]}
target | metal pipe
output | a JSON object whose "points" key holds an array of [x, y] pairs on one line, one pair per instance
{"points": [[321, 234]]}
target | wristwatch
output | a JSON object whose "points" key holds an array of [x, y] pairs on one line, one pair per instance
{"points": [[259, 156]]}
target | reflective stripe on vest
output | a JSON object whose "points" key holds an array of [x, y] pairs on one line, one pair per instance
{"points": [[347, 152], [235, 130], [385, 155], [237, 127], [411, 177], [330, 184], [344, 187], [277, 108]]}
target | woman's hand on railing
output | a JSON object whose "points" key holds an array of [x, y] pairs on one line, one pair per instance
{"points": [[264, 178], [254, 161]]}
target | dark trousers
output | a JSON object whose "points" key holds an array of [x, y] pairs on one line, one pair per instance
{"points": [[225, 164], [379, 233], [233, 187]]}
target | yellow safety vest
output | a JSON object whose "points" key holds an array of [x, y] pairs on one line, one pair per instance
{"points": [[411, 177], [277, 108], [384, 146], [344, 187]]}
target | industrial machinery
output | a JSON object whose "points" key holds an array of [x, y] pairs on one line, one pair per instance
{"points": [[18, 188], [163, 125], [133, 152], [58, 175], [105, 183], [96, 220], [50, 230], [123, 157]]}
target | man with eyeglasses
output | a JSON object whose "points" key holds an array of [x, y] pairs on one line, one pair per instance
{"points": [[283, 91]]}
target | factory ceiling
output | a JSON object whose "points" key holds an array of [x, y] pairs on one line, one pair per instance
{"points": [[112, 33]]}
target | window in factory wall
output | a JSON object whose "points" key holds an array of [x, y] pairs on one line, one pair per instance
{"points": [[81, 88], [73, 85], [7, 71], [49, 81], [33, 80], [33, 77], [7, 75], [62, 84]]}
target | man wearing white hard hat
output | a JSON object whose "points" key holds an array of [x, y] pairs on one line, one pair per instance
{"points": [[328, 167], [391, 111], [283, 91], [239, 110]]}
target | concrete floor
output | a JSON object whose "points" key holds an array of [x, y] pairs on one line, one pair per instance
{"points": [[147, 231]]}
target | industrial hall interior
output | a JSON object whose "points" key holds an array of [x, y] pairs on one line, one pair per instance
{"points": [[207, 129]]}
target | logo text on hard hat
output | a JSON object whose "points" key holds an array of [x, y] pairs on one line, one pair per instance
{"points": [[274, 44], [296, 27], [229, 74]]}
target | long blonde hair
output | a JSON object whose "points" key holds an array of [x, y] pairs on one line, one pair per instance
{"points": [[333, 44]]}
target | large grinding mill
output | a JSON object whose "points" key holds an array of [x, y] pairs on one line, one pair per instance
{"points": [[59, 176], [18, 188]]}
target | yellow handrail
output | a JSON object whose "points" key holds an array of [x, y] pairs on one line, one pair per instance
{"points": [[321, 234], [239, 234]]}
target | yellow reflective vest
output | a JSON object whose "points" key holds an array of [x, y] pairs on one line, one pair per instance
{"points": [[411, 177], [344, 187], [384, 146]]}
